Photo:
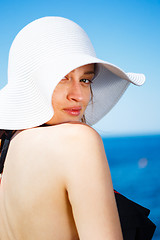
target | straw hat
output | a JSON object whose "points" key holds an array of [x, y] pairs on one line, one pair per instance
{"points": [[42, 53]]}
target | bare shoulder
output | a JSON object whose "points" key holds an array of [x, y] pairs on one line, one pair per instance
{"points": [[63, 141], [82, 145], [72, 129], [77, 132], [58, 133], [74, 136]]}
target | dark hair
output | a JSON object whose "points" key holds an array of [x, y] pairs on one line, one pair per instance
{"points": [[2, 137], [5, 134], [83, 119], [5, 137]]}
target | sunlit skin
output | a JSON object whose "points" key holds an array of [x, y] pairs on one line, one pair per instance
{"points": [[60, 194], [72, 95]]}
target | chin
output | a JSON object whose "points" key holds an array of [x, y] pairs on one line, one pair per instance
{"points": [[68, 120]]}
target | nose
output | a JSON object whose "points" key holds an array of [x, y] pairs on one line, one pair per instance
{"points": [[75, 92]]}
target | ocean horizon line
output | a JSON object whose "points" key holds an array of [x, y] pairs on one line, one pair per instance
{"points": [[129, 135]]}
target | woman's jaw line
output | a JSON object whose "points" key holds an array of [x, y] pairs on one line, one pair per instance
{"points": [[67, 115]]}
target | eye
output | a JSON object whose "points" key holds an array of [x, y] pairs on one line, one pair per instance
{"points": [[64, 79], [87, 81]]}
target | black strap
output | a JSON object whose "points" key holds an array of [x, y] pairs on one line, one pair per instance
{"points": [[5, 149]]}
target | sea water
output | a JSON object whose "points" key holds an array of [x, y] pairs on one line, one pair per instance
{"points": [[135, 168]]}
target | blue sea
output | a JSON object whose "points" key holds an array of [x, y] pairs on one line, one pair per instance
{"points": [[135, 168]]}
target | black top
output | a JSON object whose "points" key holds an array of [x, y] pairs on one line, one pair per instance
{"points": [[134, 219]]}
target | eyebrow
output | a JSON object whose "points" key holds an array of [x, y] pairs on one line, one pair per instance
{"points": [[91, 72], [86, 73]]}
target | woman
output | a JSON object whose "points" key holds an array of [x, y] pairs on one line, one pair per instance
{"points": [[56, 182]]}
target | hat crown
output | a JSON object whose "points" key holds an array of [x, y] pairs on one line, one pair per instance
{"points": [[43, 40]]}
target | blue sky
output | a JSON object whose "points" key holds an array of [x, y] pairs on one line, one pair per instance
{"points": [[125, 33]]}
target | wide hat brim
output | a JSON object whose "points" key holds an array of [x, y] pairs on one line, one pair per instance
{"points": [[28, 104]]}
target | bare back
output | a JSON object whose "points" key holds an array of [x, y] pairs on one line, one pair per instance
{"points": [[38, 188]]}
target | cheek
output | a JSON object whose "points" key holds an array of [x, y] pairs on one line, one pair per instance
{"points": [[57, 98]]}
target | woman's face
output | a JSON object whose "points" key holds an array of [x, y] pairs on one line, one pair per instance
{"points": [[72, 95]]}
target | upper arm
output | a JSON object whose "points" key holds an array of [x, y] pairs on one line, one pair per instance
{"points": [[89, 187]]}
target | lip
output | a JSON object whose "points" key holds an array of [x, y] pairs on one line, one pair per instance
{"points": [[73, 111]]}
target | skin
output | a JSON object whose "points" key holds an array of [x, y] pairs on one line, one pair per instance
{"points": [[73, 91], [56, 182]]}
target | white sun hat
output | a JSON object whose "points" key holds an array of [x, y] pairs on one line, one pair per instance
{"points": [[42, 53]]}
